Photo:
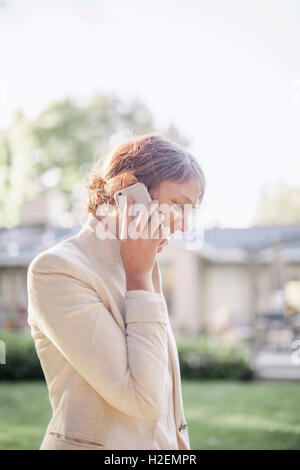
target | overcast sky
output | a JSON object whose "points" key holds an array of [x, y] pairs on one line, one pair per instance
{"points": [[226, 72]]}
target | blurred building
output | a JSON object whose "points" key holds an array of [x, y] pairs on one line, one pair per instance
{"points": [[243, 280], [235, 277]]}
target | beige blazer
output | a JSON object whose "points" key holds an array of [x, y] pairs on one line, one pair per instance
{"points": [[106, 373]]}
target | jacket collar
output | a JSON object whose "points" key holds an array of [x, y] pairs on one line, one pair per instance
{"points": [[92, 224], [110, 248]]}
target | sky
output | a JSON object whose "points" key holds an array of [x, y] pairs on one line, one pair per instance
{"points": [[225, 72]]}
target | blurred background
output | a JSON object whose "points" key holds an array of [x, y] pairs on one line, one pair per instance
{"points": [[221, 78]]}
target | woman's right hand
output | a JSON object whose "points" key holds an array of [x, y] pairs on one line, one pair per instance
{"points": [[139, 254]]}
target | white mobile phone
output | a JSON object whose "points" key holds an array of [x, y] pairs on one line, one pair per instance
{"points": [[139, 192], [141, 196]]}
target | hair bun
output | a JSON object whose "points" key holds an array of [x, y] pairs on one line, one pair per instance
{"points": [[98, 183]]}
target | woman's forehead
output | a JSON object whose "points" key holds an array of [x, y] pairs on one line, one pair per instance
{"points": [[189, 189]]}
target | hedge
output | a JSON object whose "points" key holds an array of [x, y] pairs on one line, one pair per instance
{"points": [[21, 360], [204, 357], [198, 358]]}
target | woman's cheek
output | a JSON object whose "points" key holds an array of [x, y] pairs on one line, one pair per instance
{"points": [[173, 218], [178, 224], [165, 210], [176, 221]]}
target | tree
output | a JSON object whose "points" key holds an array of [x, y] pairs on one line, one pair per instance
{"points": [[279, 206], [57, 149], [16, 170]]}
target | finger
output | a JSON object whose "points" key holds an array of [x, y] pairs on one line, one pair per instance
{"points": [[153, 224], [159, 234], [143, 218], [126, 216]]}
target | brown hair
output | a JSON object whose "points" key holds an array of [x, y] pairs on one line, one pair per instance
{"points": [[149, 159]]}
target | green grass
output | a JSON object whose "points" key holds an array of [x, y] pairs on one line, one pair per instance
{"points": [[242, 415], [220, 414], [25, 411]]}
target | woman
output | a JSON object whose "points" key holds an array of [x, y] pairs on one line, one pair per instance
{"points": [[98, 315]]}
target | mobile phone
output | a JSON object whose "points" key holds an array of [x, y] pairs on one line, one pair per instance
{"points": [[138, 191], [141, 196]]}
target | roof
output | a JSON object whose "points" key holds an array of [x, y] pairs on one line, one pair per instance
{"points": [[253, 237], [233, 245], [19, 245]]}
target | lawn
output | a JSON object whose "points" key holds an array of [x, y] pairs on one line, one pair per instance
{"points": [[220, 414]]}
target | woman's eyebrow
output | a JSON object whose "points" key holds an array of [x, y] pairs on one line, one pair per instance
{"points": [[188, 199]]}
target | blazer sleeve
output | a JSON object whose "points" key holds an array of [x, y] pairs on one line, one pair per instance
{"points": [[129, 370]]}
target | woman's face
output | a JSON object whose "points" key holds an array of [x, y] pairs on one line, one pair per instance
{"points": [[176, 201]]}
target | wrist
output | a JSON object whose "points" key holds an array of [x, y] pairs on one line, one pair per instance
{"points": [[139, 281]]}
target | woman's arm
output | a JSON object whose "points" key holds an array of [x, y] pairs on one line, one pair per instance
{"points": [[128, 370]]}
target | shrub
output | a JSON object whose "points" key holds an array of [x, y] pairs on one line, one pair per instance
{"points": [[21, 360], [205, 358], [200, 358]]}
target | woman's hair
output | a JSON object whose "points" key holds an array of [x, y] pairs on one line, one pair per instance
{"points": [[149, 159]]}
